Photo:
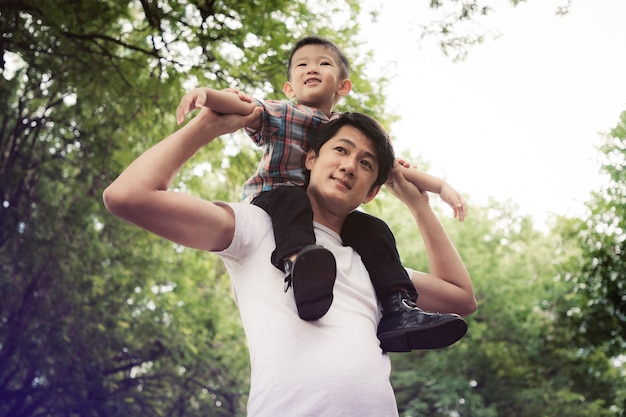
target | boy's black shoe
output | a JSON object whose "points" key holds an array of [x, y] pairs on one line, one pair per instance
{"points": [[312, 275], [405, 327]]}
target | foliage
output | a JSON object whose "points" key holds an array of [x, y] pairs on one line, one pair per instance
{"points": [[518, 358], [459, 25], [97, 317], [597, 307]]}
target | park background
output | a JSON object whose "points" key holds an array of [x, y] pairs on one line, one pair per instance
{"points": [[98, 318], [520, 116]]}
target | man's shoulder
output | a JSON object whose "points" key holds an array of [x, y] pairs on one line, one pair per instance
{"points": [[248, 212], [252, 226]]}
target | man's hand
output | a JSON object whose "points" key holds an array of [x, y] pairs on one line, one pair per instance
{"points": [[403, 189]]}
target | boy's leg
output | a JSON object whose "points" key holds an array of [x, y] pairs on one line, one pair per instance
{"points": [[374, 241], [309, 268], [292, 220], [403, 326]]}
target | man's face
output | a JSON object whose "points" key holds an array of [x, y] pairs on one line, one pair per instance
{"points": [[344, 171], [315, 77]]}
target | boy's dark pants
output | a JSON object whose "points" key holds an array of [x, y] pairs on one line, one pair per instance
{"points": [[292, 218]]}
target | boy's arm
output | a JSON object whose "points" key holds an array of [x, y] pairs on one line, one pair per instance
{"points": [[140, 195], [220, 101], [427, 182], [448, 286]]}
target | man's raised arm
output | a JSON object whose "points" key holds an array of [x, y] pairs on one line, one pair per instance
{"points": [[447, 288], [140, 194]]}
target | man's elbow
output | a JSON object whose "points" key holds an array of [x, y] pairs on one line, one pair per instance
{"points": [[469, 306], [117, 201]]}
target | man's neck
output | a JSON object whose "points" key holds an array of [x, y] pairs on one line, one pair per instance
{"points": [[327, 218], [332, 223]]}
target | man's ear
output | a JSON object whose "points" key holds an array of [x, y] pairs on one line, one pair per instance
{"points": [[288, 90], [345, 87], [370, 196], [309, 159]]}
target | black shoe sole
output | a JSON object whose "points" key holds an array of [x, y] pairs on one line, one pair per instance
{"points": [[435, 336], [313, 279]]}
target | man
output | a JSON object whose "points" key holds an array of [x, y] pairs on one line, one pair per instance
{"points": [[333, 366]]}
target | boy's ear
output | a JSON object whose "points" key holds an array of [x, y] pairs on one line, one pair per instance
{"points": [[345, 87], [288, 90]]}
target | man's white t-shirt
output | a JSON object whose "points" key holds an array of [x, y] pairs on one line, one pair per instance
{"points": [[330, 367]]}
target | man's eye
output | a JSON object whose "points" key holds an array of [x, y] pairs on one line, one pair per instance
{"points": [[367, 164], [340, 149]]}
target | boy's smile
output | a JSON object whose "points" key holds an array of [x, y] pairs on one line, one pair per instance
{"points": [[315, 78]]}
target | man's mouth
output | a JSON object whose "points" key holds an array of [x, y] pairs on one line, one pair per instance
{"points": [[346, 184]]}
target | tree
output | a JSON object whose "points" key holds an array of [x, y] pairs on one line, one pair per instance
{"points": [[518, 358], [459, 25], [597, 308], [97, 317]]}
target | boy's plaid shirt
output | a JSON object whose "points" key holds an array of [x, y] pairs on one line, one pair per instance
{"points": [[285, 135]]}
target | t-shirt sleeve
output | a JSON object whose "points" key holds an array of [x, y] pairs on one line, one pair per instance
{"points": [[249, 229]]}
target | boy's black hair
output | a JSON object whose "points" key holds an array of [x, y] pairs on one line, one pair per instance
{"points": [[344, 65], [385, 155]]}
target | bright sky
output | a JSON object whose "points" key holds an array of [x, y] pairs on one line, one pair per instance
{"points": [[521, 117]]}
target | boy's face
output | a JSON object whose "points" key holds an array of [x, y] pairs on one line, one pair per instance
{"points": [[316, 78], [343, 172]]}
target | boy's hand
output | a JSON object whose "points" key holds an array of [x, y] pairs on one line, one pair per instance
{"points": [[194, 99], [455, 200], [448, 194], [197, 98]]}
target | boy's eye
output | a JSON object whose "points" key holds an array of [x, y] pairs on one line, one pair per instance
{"points": [[325, 63]]}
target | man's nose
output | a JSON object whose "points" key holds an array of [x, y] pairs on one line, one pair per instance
{"points": [[349, 166]]}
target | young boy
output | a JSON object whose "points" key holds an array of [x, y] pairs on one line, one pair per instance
{"points": [[318, 76]]}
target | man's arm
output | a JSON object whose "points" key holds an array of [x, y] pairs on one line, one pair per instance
{"points": [[140, 194], [448, 287]]}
